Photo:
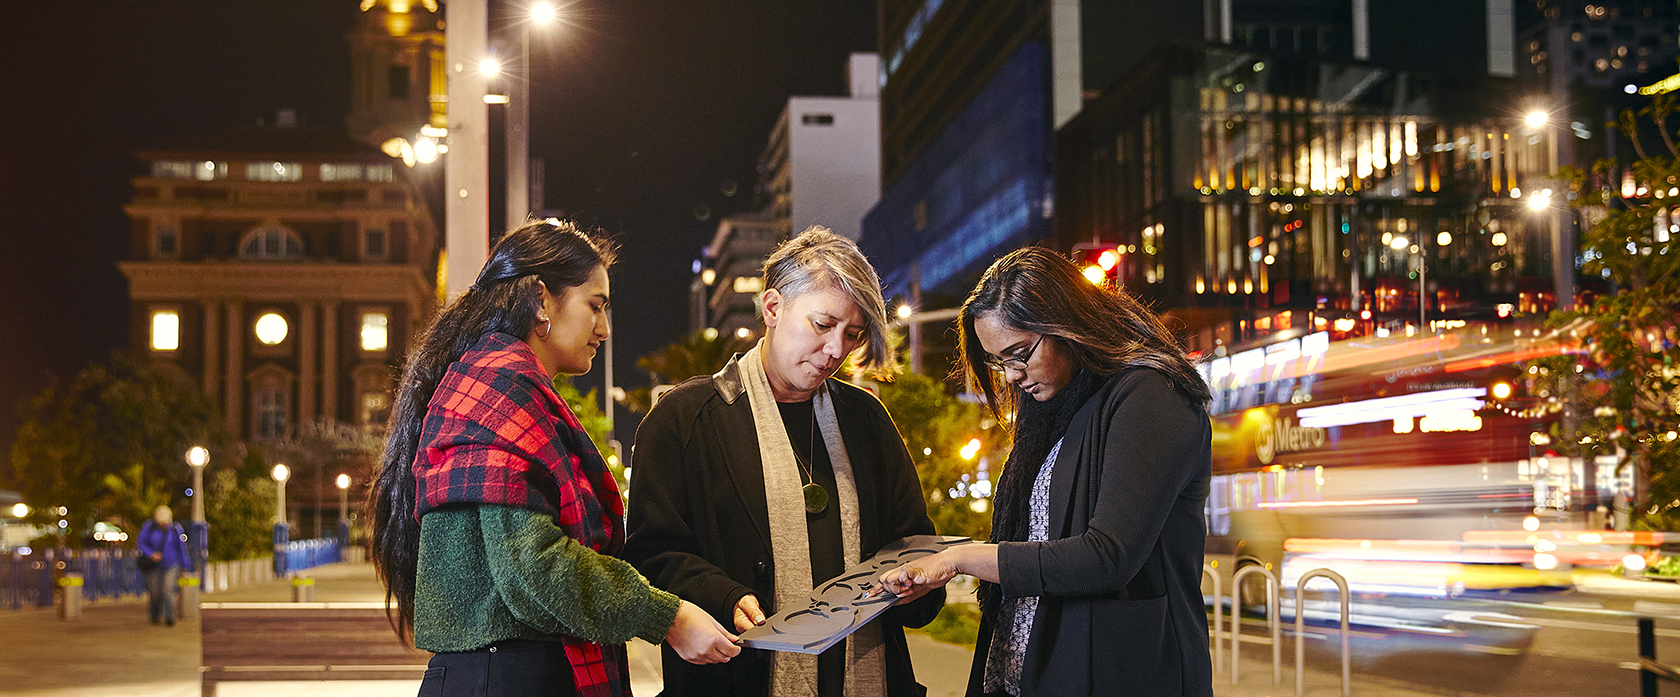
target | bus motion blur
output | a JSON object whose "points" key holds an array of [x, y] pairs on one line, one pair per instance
{"points": [[1412, 465]]}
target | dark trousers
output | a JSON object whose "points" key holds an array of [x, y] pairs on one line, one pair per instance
{"points": [[160, 592], [513, 668]]}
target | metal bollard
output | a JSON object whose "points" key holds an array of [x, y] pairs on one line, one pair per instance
{"points": [[1218, 621], [1647, 652], [303, 590], [70, 602], [186, 601]]}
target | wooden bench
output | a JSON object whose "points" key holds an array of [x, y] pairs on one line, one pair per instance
{"points": [[303, 641]]}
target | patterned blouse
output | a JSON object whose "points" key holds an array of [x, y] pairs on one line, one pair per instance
{"points": [[1015, 615]]}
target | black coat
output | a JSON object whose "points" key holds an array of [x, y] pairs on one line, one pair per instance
{"points": [[1119, 582], [699, 526]]}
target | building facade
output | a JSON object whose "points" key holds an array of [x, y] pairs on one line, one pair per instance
{"points": [[822, 163], [731, 276], [1258, 193], [284, 269], [397, 79]]}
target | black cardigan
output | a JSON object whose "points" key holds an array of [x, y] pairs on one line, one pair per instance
{"points": [[1119, 582], [699, 526]]}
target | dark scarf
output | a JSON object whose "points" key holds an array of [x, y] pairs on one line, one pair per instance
{"points": [[1038, 426], [497, 433]]}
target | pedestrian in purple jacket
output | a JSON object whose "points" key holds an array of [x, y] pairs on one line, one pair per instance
{"points": [[163, 554]]}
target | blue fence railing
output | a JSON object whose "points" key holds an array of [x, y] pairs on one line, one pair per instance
{"points": [[28, 580], [297, 555]]}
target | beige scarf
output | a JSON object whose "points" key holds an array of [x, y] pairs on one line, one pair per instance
{"points": [[795, 674]]}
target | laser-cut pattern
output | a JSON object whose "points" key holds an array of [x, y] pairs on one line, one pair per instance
{"points": [[838, 607]]}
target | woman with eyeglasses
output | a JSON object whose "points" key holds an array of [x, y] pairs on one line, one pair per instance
{"points": [[1092, 581]]}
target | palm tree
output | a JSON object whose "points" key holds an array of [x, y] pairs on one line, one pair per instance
{"points": [[701, 353]]}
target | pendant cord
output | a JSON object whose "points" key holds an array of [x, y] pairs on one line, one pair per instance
{"points": [[806, 466]]}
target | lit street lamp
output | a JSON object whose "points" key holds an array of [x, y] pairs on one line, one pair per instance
{"points": [[282, 532], [281, 474], [198, 457], [344, 497]]}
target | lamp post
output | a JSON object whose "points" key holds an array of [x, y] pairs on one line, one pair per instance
{"points": [[198, 457], [1562, 236], [281, 473], [199, 545], [519, 120], [282, 534], [343, 483]]}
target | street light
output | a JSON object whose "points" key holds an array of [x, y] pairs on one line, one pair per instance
{"points": [[518, 145], [281, 474], [197, 458], [343, 497], [1536, 118]]}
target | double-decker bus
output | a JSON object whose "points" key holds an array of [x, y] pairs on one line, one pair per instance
{"points": [[1412, 465]]}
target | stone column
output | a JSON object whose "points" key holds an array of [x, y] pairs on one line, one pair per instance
{"points": [[307, 348], [329, 359], [212, 357], [233, 392]]}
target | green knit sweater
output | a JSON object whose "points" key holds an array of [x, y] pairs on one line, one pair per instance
{"points": [[488, 573]]}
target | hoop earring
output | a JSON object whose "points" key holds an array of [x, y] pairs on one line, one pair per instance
{"points": [[547, 329]]}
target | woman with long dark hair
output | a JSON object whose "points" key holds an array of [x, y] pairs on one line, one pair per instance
{"points": [[1091, 584], [495, 521]]}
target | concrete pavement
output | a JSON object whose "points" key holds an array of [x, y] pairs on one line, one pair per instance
{"points": [[114, 650]]}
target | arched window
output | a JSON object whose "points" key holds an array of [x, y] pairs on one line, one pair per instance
{"points": [[271, 242]]}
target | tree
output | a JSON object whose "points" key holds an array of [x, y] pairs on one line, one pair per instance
{"points": [[131, 497], [594, 422], [109, 420], [1621, 395], [241, 514], [701, 353], [937, 427]]}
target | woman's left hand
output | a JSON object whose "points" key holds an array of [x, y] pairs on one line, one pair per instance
{"points": [[914, 579]]}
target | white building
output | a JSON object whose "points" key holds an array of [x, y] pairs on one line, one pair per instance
{"points": [[822, 165]]}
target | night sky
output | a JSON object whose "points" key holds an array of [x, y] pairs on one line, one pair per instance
{"points": [[643, 109]]}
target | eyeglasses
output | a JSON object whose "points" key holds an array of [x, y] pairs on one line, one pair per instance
{"points": [[1018, 362]]}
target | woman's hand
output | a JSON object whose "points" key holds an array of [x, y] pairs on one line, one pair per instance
{"points": [[698, 638], [747, 613], [914, 579]]}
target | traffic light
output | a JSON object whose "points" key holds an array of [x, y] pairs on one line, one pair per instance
{"points": [[1098, 262]]}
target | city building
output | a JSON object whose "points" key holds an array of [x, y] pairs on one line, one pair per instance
{"points": [[284, 268], [398, 85], [822, 164], [730, 276], [1256, 193], [1610, 45]]}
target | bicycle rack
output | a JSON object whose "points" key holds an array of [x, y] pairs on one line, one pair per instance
{"points": [[1300, 629], [1218, 612], [1271, 619]]}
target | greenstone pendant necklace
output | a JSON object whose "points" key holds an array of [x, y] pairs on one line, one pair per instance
{"points": [[816, 497]]}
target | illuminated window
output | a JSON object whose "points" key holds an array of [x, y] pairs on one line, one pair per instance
{"points": [[273, 171], [172, 170], [271, 243], [748, 284], [271, 328], [166, 330], [375, 331], [210, 171], [344, 172], [379, 173]]}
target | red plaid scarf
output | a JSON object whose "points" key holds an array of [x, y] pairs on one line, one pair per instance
{"points": [[497, 433]]}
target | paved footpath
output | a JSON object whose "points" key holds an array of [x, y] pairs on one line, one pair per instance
{"points": [[113, 650]]}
